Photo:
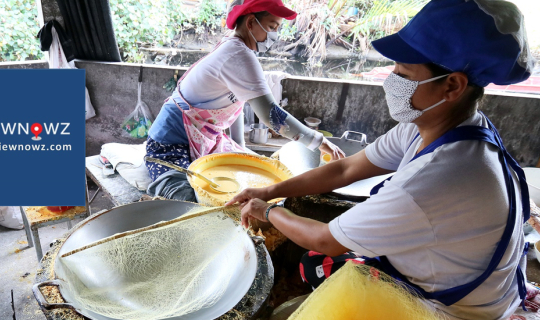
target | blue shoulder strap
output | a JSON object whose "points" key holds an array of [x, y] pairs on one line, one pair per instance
{"points": [[489, 135]]}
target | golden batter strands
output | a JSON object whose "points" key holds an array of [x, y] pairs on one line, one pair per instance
{"points": [[360, 292], [169, 271]]}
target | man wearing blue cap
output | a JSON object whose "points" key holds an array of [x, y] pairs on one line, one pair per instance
{"points": [[449, 222]]}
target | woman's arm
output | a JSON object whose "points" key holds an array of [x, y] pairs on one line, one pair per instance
{"points": [[237, 130], [324, 179], [282, 122]]}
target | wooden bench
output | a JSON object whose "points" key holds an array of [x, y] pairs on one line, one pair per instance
{"points": [[115, 187], [37, 217]]}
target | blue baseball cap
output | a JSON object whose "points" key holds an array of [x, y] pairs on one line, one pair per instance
{"points": [[485, 39]]}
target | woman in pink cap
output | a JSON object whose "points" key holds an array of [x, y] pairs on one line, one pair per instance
{"points": [[210, 96]]}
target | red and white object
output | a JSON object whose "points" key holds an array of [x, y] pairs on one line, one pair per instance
{"points": [[59, 209]]}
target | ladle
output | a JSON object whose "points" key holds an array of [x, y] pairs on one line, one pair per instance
{"points": [[212, 183]]}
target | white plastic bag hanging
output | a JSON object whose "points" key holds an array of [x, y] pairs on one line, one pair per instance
{"points": [[10, 217], [139, 121], [57, 60]]}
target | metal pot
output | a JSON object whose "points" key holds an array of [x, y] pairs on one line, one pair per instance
{"points": [[350, 146], [258, 133], [299, 159], [142, 214]]}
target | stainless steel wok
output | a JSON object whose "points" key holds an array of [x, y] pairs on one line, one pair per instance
{"points": [[134, 216], [299, 159]]}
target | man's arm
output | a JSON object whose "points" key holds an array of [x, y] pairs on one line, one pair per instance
{"points": [[307, 233], [324, 179], [329, 177]]}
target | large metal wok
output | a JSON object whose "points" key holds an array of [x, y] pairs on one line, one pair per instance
{"points": [[138, 215], [299, 159]]}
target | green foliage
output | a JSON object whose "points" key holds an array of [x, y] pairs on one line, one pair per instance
{"points": [[287, 31], [156, 22], [385, 17], [210, 14], [151, 22], [18, 29]]}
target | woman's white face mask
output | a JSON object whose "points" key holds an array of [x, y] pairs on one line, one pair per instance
{"points": [[399, 92], [271, 37]]}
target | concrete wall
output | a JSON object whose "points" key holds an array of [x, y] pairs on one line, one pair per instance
{"points": [[363, 106], [517, 117], [113, 90], [518, 122], [51, 11], [37, 64]]}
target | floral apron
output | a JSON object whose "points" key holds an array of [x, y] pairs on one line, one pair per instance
{"points": [[205, 128]]}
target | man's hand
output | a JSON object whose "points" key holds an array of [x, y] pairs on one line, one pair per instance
{"points": [[255, 209], [331, 149], [248, 194], [308, 233]]}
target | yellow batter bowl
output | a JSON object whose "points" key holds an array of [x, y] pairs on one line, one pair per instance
{"points": [[250, 171]]}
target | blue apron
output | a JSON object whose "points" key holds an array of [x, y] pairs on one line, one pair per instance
{"points": [[489, 135]]}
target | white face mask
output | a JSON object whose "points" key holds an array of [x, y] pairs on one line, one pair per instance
{"points": [[271, 37], [399, 92]]}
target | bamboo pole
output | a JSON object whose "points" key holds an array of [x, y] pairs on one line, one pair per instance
{"points": [[154, 226]]}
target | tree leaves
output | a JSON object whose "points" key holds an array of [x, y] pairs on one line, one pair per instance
{"points": [[156, 22], [18, 30]]}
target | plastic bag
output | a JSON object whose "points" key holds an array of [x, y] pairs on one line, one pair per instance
{"points": [[139, 121], [57, 60], [89, 109], [10, 217]]}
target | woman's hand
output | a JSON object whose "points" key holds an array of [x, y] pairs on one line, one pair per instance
{"points": [[331, 149], [248, 194], [255, 209]]}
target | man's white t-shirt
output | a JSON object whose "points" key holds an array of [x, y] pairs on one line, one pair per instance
{"points": [[439, 220]]}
